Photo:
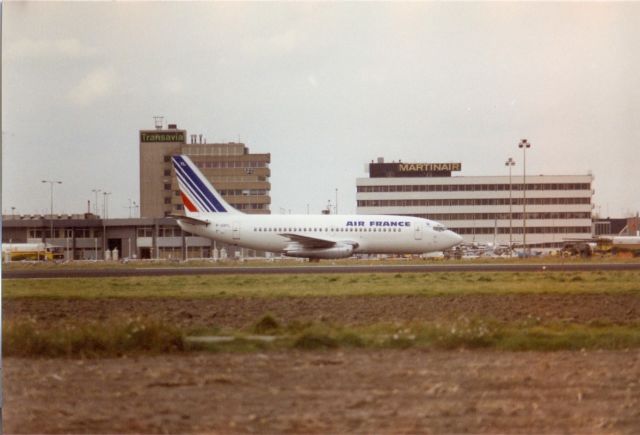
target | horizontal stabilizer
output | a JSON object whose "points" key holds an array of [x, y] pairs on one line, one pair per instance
{"points": [[190, 220]]}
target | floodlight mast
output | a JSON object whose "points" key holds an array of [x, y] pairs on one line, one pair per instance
{"points": [[51, 183], [524, 144], [510, 163]]}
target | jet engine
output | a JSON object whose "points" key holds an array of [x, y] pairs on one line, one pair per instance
{"points": [[337, 251]]}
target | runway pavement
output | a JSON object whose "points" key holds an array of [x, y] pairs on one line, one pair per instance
{"points": [[70, 272]]}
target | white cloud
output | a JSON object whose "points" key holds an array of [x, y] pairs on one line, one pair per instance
{"points": [[26, 48], [313, 81], [173, 86], [278, 44], [371, 74], [95, 85]]}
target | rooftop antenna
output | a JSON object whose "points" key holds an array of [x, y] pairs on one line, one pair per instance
{"points": [[159, 122]]}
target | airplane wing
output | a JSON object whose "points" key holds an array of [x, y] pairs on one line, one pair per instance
{"points": [[190, 220], [314, 247], [315, 242], [583, 239], [309, 242]]}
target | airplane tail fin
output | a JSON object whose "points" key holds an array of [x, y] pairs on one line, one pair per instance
{"points": [[198, 195]]}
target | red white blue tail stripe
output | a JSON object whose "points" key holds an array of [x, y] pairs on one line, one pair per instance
{"points": [[198, 195]]}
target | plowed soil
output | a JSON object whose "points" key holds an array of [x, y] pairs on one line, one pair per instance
{"points": [[239, 312], [363, 391]]}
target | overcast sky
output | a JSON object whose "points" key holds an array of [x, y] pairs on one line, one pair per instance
{"points": [[323, 87]]}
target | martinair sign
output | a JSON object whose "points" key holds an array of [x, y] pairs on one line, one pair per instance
{"points": [[429, 167], [381, 170], [162, 137]]}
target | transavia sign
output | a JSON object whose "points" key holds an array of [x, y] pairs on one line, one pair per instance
{"points": [[162, 137], [381, 170]]}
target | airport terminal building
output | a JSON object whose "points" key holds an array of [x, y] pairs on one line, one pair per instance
{"points": [[90, 237], [241, 177], [483, 209]]}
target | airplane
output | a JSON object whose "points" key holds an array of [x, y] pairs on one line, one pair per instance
{"points": [[478, 250], [613, 244], [314, 237], [626, 243]]}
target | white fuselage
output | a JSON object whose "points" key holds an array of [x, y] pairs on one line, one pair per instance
{"points": [[630, 243], [365, 233]]}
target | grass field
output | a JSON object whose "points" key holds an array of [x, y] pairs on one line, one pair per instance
{"points": [[117, 337], [289, 262], [25, 335], [429, 284]]}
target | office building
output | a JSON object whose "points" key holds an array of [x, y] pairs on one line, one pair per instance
{"points": [[483, 209], [241, 177]]}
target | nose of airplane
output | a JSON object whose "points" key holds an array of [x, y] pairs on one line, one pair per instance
{"points": [[453, 238]]}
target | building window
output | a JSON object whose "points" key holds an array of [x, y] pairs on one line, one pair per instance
{"points": [[82, 233], [35, 233], [145, 232], [167, 159], [167, 172], [167, 186], [167, 231]]}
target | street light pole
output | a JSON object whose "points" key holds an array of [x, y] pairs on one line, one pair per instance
{"points": [[51, 183], [104, 221], [510, 163], [524, 144], [105, 204], [95, 205]]}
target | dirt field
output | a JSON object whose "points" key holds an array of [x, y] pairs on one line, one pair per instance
{"points": [[239, 312], [363, 391], [394, 391]]}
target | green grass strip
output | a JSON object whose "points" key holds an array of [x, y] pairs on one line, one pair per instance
{"points": [[427, 284], [148, 336], [90, 339]]}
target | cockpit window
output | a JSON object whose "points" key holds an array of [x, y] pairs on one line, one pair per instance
{"points": [[439, 228]]}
